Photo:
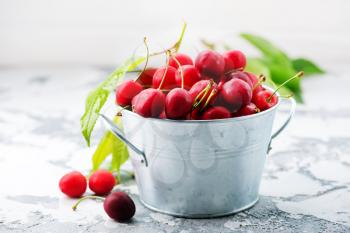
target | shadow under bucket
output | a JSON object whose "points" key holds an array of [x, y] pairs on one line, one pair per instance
{"points": [[198, 168]]}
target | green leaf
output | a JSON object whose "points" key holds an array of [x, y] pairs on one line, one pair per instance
{"points": [[277, 61], [309, 68], [98, 97], [267, 48], [119, 153], [110, 145]]}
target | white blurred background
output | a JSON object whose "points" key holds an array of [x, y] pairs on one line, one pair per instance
{"points": [[102, 33]]}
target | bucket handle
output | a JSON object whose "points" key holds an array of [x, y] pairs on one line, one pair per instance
{"points": [[120, 134], [286, 122], [290, 116]]}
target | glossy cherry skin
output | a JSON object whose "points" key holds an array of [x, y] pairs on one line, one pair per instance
{"points": [[236, 93], [190, 74], [262, 100], [246, 110], [149, 103], [217, 112], [253, 79], [73, 184], [178, 103], [256, 90], [234, 59], [146, 77], [101, 182], [162, 115], [183, 59], [119, 206], [126, 92], [210, 63], [240, 75], [169, 79], [198, 87]]}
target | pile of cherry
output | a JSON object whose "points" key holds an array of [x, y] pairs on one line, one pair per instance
{"points": [[118, 205], [215, 86]]}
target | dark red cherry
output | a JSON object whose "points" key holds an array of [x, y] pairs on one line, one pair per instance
{"points": [[210, 63]]}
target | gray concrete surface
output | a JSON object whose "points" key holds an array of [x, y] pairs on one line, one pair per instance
{"points": [[305, 186]]}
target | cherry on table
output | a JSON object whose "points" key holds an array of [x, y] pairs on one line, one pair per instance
{"points": [[234, 59], [117, 205], [217, 112], [190, 75], [181, 58], [127, 91], [101, 182], [149, 103], [210, 63], [169, 79], [73, 184], [178, 103]]}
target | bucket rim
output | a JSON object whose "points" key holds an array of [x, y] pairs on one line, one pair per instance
{"points": [[241, 118]]}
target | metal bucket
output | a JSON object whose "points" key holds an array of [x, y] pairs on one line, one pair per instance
{"points": [[198, 168]]}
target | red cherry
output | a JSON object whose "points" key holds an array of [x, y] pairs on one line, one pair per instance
{"points": [[149, 102], [256, 90], [198, 87], [234, 59], [162, 115], [101, 182], [119, 206], [183, 59], [190, 75], [73, 184], [236, 93], [146, 77], [217, 112], [169, 79], [178, 103], [210, 63], [253, 79], [242, 76], [265, 99], [126, 91], [248, 109]]}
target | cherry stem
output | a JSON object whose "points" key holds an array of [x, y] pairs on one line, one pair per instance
{"points": [[204, 92], [166, 70], [212, 93], [181, 72], [176, 46], [147, 57], [261, 79], [75, 206], [298, 75]]}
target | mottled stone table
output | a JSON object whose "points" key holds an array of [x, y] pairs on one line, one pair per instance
{"points": [[305, 187]]}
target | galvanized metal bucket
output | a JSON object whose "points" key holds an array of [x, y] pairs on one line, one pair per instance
{"points": [[200, 168]]}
